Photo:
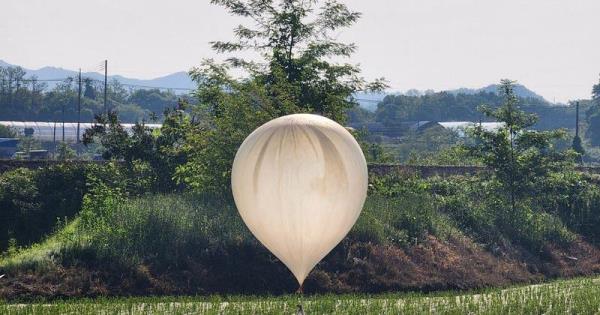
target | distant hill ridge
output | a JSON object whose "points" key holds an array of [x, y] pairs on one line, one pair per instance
{"points": [[181, 80], [177, 80], [369, 101], [520, 91]]}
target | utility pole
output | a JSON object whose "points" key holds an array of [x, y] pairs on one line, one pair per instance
{"points": [[79, 106], [105, 85], [63, 123], [577, 120], [32, 94]]}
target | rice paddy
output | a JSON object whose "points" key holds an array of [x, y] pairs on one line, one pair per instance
{"points": [[576, 296]]}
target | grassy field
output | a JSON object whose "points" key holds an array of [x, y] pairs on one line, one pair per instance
{"points": [[577, 296]]}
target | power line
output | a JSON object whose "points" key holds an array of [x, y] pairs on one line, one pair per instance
{"points": [[45, 80], [157, 87]]}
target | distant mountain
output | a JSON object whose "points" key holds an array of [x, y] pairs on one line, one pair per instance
{"points": [[369, 101], [520, 91], [177, 81], [180, 81]]}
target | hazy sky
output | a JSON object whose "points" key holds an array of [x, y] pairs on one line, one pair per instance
{"points": [[551, 46]]}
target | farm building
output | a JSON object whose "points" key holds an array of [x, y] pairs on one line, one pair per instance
{"points": [[8, 147]]}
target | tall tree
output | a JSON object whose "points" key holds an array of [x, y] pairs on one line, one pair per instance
{"points": [[90, 91], [294, 73], [593, 117], [294, 39], [520, 158], [596, 93]]}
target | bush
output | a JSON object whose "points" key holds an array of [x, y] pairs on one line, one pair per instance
{"points": [[476, 205], [166, 230], [33, 201], [575, 198], [18, 202]]}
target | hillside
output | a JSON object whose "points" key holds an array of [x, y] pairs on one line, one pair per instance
{"points": [[414, 234]]}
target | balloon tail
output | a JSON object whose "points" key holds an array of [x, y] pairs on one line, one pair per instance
{"points": [[300, 289]]}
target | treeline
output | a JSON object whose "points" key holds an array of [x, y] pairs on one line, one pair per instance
{"points": [[26, 98], [593, 117], [445, 106]]}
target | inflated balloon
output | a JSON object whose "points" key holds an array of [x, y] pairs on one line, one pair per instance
{"points": [[299, 183]]}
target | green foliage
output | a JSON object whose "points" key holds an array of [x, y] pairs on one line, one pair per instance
{"points": [[295, 39], [157, 154], [65, 152], [373, 151], [161, 230], [521, 159], [7, 132], [31, 201], [593, 117], [474, 206], [167, 230], [446, 155], [593, 121], [225, 117], [404, 219], [295, 75], [424, 146], [26, 99], [596, 93], [18, 195], [28, 143], [153, 100], [575, 198], [445, 106], [577, 146]]}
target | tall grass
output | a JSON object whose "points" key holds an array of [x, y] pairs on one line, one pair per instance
{"points": [[168, 230], [165, 229]]}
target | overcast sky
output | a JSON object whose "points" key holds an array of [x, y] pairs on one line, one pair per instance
{"points": [[551, 46]]}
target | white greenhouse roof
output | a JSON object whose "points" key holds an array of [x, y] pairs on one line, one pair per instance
{"points": [[50, 131], [462, 126]]}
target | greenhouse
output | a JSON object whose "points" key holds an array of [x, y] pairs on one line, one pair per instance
{"points": [[53, 131]]}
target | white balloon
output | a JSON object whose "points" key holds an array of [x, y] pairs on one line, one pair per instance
{"points": [[299, 183]]}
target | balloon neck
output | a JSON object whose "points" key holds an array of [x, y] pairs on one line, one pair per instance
{"points": [[300, 289]]}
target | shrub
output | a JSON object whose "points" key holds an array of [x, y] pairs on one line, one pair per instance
{"points": [[32, 201]]}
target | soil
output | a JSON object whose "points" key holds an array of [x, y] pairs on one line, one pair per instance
{"points": [[455, 263]]}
